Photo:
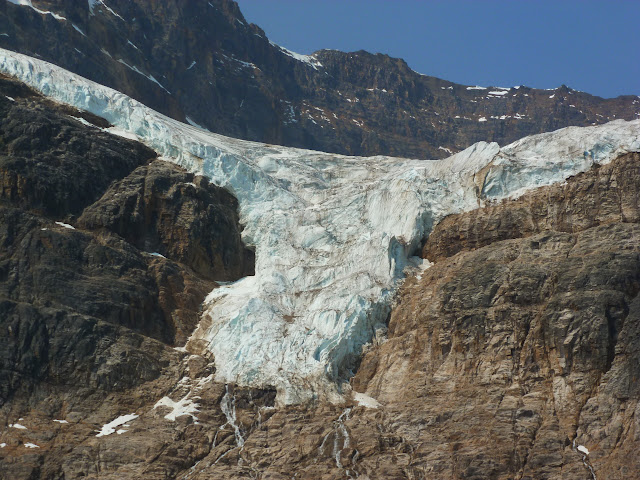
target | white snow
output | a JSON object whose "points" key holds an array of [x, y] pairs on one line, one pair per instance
{"points": [[193, 64], [78, 29], [93, 3], [476, 88], [132, 44], [308, 59], [65, 225], [10, 98], [2, 445], [121, 133], [31, 445], [333, 234], [365, 400], [184, 406], [445, 149], [583, 449], [61, 421], [18, 426], [137, 70], [498, 92], [27, 3], [551, 96], [194, 124], [84, 122], [482, 119], [110, 427], [156, 254]]}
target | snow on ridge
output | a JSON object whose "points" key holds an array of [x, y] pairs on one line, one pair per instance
{"points": [[140, 72], [308, 59], [333, 234], [27, 3], [92, 6]]}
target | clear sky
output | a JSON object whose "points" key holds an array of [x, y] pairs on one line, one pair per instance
{"points": [[589, 45]]}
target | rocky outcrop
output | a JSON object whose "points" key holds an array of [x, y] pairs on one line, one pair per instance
{"points": [[48, 163], [90, 319], [201, 62], [161, 208], [605, 195]]}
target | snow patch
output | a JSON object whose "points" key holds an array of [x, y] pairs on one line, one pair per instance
{"points": [[27, 3], [110, 427], [65, 225], [31, 445], [193, 64], [476, 88], [583, 449], [18, 426], [76, 28], [138, 71], [308, 59], [93, 3], [365, 400], [184, 406], [61, 421]]}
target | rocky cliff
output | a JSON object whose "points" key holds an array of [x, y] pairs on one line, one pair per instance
{"points": [[89, 311], [201, 62]]}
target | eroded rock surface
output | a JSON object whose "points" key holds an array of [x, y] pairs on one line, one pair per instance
{"points": [[161, 208], [89, 317]]}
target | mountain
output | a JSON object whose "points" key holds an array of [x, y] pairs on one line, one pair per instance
{"points": [[182, 304], [201, 62], [509, 351]]}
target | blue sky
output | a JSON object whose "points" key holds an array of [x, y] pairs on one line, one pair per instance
{"points": [[593, 46]]}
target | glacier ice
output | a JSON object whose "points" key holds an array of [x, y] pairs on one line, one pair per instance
{"points": [[333, 234]]}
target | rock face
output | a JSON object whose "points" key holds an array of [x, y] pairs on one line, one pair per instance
{"points": [[520, 343], [159, 208], [201, 62], [86, 316]]}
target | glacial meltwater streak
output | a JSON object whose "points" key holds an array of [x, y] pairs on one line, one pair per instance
{"points": [[333, 234]]}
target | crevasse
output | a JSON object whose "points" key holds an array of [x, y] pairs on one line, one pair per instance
{"points": [[333, 234]]}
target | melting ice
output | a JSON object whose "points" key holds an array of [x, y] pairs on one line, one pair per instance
{"points": [[333, 234]]}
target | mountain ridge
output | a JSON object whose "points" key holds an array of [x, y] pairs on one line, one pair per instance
{"points": [[202, 62]]}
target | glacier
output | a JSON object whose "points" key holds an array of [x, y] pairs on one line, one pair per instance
{"points": [[334, 235]]}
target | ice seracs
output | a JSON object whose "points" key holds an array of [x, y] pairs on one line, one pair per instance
{"points": [[333, 234]]}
